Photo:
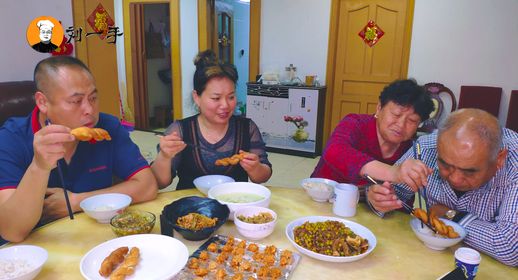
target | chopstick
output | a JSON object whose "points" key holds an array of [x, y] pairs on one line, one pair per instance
{"points": [[405, 205], [193, 146], [60, 172], [424, 188], [415, 148]]}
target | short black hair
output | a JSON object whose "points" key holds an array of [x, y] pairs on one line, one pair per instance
{"points": [[408, 93], [208, 67], [52, 64]]}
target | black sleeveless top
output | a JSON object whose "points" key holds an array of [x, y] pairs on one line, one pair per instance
{"points": [[194, 164]]}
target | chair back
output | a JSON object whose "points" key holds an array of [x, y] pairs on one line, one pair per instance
{"points": [[481, 97], [512, 114], [437, 91]]}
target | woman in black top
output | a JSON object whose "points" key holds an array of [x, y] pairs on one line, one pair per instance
{"points": [[192, 145]]}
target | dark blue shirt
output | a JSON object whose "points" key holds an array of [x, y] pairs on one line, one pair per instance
{"points": [[92, 166]]}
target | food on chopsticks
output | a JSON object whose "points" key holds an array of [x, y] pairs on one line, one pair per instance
{"points": [[120, 263], [233, 160], [432, 220], [84, 133], [127, 267], [112, 261], [261, 218], [330, 238], [196, 221]]}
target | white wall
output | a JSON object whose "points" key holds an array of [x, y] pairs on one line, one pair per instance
{"points": [[295, 31], [466, 42], [17, 58]]}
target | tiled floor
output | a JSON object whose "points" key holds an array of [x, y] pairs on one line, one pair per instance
{"points": [[287, 170]]}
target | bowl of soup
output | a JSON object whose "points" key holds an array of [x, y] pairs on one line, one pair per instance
{"points": [[240, 194]]}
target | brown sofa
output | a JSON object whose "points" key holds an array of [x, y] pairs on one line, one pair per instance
{"points": [[16, 99]]}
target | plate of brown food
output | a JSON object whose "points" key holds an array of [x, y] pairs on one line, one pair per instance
{"points": [[226, 257], [140, 256], [330, 239]]}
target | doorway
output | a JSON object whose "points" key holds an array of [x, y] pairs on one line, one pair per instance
{"points": [[357, 72], [231, 30], [152, 75]]}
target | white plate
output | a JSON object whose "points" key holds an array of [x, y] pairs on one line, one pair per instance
{"points": [[161, 257], [355, 227]]}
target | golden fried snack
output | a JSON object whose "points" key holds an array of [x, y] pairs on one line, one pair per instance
{"points": [[110, 262], [204, 255], [128, 265], [421, 215], [84, 133], [436, 223], [233, 160], [213, 247], [201, 272]]}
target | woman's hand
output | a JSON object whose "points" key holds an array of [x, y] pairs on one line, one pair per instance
{"points": [[170, 145], [383, 197], [414, 173], [249, 162]]}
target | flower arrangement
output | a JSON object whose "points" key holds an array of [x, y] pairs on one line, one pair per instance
{"points": [[298, 121]]}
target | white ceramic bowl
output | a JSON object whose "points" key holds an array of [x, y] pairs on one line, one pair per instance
{"points": [[355, 227], [103, 207], [240, 188], [254, 231], [433, 241], [28, 258], [204, 183], [319, 189]]}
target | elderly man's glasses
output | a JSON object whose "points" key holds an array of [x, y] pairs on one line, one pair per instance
{"points": [[49, 32]]}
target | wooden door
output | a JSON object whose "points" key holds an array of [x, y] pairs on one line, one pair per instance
{"points": [[360, 72], [99, 55]]}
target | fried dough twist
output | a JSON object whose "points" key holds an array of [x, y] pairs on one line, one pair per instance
{"points": [[128, 266], [110, 262], [233, 160], [84, 133]]}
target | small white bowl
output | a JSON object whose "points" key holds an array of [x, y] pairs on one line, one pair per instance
{"points": [[434, 241], [239, 188], [254, 231], [204, 183], [28, 255], [319, 189], [103, 207]]}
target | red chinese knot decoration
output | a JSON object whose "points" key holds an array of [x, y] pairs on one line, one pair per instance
{"points": [[371, 33], [100, 21]]}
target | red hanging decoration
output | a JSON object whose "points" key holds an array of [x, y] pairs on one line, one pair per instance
{"points": [[100, 21], [63, 49], [371, 33]]}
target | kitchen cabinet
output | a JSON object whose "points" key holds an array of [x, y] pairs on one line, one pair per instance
{"points": [[290, 118]]}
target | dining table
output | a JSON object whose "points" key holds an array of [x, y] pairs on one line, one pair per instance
{"points": [[399, 254]]}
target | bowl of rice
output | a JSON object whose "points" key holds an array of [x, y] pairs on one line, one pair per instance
{"points": [[21, 262], [319, 189]]}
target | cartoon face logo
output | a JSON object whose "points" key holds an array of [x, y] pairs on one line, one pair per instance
{"points": [[45, 27], [44, 34]]}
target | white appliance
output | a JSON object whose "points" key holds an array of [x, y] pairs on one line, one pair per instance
{"points": [[269, 105]]}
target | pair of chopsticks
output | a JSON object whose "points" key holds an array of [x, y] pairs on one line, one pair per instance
{"points": [[417, 155], [405, 205], [192, 145], [60, 172]]}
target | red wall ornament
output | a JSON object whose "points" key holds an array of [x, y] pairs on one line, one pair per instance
{"points": [[100, 21], [63, 49], [371, 33]]}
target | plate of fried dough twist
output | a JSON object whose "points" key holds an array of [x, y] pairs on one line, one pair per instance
{"points": [[139, 256]]}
